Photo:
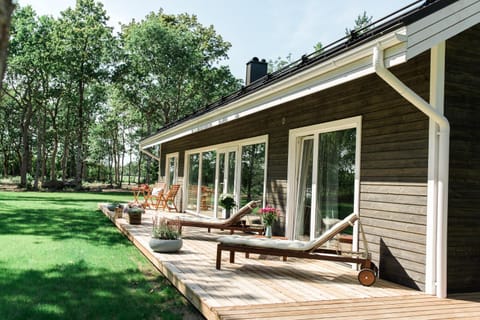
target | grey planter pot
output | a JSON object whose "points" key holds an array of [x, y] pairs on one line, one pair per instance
{"points": [[162, 245]]}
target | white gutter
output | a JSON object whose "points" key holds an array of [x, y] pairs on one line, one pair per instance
{"points": [[347, 66], [443, 164]]}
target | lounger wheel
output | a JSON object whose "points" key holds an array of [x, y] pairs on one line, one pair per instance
{"points": [[367, 277]]}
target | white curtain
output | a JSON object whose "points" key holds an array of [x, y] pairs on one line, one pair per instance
{"points": [[304, 191]]}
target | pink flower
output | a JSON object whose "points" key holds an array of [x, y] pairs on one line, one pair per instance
{"points": [[269, 215]]}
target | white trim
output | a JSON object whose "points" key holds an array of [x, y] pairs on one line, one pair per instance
{"points": [[356, 202], [167, 166], [442, 25], [265, 174], [226, 152], [230, 144], [294, 134]]}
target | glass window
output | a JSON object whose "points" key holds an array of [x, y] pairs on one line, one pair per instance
{"points": [[193, 174], [171, 170], [252, 173], [237, 168], [335, 178], [207, 186]]}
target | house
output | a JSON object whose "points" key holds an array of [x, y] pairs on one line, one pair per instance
{"points": [[384, 123]]}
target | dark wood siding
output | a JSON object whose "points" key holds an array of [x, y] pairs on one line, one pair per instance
{"points": [[462, 108], [393, 160]]}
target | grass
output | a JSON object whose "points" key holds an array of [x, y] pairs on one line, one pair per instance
{"points": [[62, 258]]}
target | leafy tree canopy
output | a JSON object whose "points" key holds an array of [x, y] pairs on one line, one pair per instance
{"points": [[77, 98], [171, 66]]}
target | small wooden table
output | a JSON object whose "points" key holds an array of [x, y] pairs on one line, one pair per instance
{"points": [[144, 191]]}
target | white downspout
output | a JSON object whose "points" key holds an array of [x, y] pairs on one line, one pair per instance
{"points": [[443, 164], [437, 92]]}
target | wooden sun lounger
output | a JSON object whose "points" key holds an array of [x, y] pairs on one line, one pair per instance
{"points": [[300, 249], [233, 223]]}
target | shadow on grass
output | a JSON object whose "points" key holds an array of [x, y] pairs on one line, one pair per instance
{"points": [[64, 197], [61, 224], [75, 291]]}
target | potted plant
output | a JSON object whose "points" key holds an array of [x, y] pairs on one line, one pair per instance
{"points": [[269, 215], [227, 201], [116, 208], [134, 212], [166, 235]]}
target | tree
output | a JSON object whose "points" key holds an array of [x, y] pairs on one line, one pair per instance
{"points": [[84, 41], [361, 25], [171, 61], [27, 79], [75, 101], [170, 70], [279, 63]]}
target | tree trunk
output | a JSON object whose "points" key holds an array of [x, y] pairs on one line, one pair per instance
{"points": [[66, 147], [6, 9], [115, 156], [38, 161], [5, 163], [122, 159], [25, 156], [148, 169], [53, 164], [139, 168], [130, 166], [79, 142], [66, 155], [110, 174]]}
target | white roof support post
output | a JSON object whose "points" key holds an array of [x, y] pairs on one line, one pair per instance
{"points": [[158, 158], [440, 254]]}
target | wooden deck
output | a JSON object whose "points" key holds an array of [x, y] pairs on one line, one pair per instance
{"points": [[267, 288]]}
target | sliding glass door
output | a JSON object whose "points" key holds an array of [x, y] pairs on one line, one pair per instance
{"points": [[237, 168], [201, 182], [326, 169]]}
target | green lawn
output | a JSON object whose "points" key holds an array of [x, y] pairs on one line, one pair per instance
{"points": [[61, 258]]}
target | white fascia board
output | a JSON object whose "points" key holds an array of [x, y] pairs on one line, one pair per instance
{"points": [[350, 65], [442, 25]]}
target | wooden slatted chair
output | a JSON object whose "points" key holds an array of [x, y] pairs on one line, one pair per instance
{"points": [[301, 249], [156, 194], [233, 223], [167, 200]]}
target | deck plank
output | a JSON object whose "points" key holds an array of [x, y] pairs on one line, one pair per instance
{"points": [[264, 287]]}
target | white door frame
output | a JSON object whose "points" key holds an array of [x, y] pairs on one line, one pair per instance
{"points": [[293, 150]]}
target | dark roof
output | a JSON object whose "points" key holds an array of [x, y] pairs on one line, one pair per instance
{"points": [[404, 16]]}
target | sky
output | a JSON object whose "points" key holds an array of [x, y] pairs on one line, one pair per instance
{"points": [[266, 29]]}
